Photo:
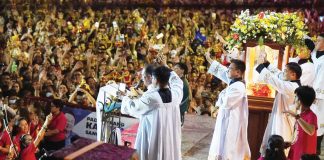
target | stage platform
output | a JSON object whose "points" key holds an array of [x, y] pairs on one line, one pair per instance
{"points": [[197, 134]]}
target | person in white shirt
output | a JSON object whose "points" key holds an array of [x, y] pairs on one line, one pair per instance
{"points": [[230, 134], [159, 131], [318, 59]]}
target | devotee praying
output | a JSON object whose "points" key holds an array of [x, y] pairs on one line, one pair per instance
{"points": [[28, 145]]}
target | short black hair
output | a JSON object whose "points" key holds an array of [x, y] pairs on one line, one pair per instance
{"points": [[275, 148], [149, 68], [162, 75], [295, 67], [57, 103], [306, 95], [183, 67], [240, 65]]}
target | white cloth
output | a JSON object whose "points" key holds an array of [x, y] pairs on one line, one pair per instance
{"points": [[319, 76], [230, 134], [159, 131], [319, 89], [279, 123], [308, 72], [319, 111]]}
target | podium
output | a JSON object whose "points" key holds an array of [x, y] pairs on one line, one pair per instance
{"points": [[260, 96]]}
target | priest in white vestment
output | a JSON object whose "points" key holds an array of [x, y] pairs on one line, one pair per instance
{"points": [[159, 132], [285, 84], [318, 59], [230, 140]]}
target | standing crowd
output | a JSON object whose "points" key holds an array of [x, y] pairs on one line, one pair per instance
{"points": [[69, 53]]}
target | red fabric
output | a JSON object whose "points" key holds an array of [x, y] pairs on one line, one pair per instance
{"points": [[16, 140], [4, 141], [29, 152], [33, 129], [261, 158], [58, 122], [305, 144]]}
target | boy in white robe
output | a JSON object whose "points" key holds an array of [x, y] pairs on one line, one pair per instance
{"points": [[318, 59], [159, 132], [230, 140], [308, 69], [280, 123]]}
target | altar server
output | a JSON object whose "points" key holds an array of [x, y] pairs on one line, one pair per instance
{"points": [[230, 134], [318, 59], [308, 69], [285, 84], [159, 132]]}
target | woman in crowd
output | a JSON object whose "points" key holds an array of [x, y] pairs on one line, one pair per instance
{"points": [[28, 145]]}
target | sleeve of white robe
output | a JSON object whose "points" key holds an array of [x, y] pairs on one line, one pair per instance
{"points": [[138, 107], [219, 71], [296, 59], [275, 71], [284, 87], [144, 104], [176, 86]]}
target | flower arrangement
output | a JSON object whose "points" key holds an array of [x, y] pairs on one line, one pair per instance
{"points": [[282, 28]]}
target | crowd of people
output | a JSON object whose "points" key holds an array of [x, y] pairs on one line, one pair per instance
{"points": [[69, 53]]}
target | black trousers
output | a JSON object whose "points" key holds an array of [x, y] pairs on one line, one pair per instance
{"points": [[182, 117], [319, 141], [53, 146]]}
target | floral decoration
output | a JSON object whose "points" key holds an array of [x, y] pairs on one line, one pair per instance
{"points": [[283, 28]]}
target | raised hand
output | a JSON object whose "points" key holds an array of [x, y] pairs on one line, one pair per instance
{"points": [[207, 56]]}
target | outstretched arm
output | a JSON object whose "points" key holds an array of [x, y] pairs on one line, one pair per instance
{"points": [[307, 126], [284, 87], [138, 106], [217, 69]]}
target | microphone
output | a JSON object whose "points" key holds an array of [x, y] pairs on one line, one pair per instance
{"points": [[138, 84]]}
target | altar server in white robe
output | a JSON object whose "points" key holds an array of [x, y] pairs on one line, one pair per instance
{"points": [[230, 140], [285, 84], [308, 69], [318, 59], [159, 132]]}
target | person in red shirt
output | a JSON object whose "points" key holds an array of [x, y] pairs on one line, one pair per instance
{"points": [[306, 124], [34, 122], [21, 128], [28, 147], [55, 135], [4, 141]]}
